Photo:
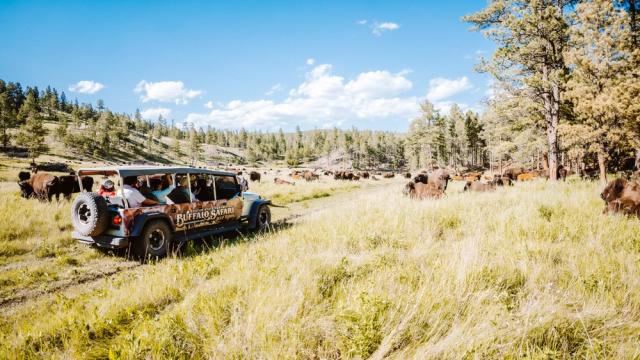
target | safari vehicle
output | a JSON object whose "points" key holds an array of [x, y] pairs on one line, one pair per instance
{"points": [[148, 231]]}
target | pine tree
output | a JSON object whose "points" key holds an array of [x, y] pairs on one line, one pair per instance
{"points": [[31, 136]]}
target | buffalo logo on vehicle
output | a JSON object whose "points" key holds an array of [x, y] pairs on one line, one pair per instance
{"points": [[203, 216]]}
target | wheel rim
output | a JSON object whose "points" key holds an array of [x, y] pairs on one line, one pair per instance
{"points": [[84, 213], [263, 219], [156, 239]]}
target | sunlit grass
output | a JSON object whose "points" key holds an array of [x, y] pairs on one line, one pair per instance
{"points": [[530, 271]]}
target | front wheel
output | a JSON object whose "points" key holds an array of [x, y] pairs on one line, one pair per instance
{"points": [[263, 218], [154, 241]]}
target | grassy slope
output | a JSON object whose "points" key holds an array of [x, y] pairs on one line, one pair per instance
{"points": [[533, 270]]}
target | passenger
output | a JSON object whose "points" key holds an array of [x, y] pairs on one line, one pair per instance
{"points": [[133, 196], [107, 189], [184, 187], [163, 188]]}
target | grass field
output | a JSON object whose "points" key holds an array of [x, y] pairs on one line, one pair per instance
{"points": [[530, 271]]}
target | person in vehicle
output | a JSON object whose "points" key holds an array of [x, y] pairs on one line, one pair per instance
{"points": [[133, 195], [107, 189], [163, 188], [184, 187]]}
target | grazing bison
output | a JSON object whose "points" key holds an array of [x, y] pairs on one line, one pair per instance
{"points": [[39, 185], [499, 180], [407, 175], [527, 176], [421, 191], [622, 196], [68, 185], [280, 181], [254, 176], [343, 175], [364, 175], [512, 173], [439, 178], [310, 176], [477, 186]]}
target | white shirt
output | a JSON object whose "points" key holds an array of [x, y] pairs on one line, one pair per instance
{"points": [[133, 196]]}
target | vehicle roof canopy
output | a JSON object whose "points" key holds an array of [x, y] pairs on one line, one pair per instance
{"points": [[137, 170]]}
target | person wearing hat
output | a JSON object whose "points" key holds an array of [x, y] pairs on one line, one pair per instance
{"points": [[107, 189]]}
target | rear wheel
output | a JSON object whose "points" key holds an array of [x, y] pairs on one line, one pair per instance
{"points": [[263, 218], [89, 214], [154, 241]]}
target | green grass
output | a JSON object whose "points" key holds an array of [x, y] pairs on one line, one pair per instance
{"points": [[532, 271]]}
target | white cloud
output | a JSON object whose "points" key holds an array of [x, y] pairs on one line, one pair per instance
{"points": [[154, 113], [442, 88], [378, 28], [311, 61], [165, 91], [209, 104], [86, 87], [274, 89], [321, 100], [362, 22]]}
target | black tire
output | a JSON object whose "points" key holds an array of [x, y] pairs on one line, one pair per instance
{"points": [[89, 214], [154, 241], [263, 219]]}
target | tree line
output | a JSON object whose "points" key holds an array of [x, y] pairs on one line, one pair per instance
{"points": [[566, 82]]}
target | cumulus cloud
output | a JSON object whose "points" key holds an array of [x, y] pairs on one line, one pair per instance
{"points": [[154, 113], [322, 99], [86, 87], [165, 91], [274, 89], [442, 88], [311, 61], [378, 28]]}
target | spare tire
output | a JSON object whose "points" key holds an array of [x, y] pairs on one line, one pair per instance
{"points": [[89, 214]]}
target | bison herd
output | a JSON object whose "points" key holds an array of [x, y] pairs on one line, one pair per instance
{"points": [[45, 186]]}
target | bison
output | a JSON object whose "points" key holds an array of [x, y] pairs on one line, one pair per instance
{"points": [[527, 176], [407, 175], [254, 176], [421, 178], [562, 173], [388, 175], [280, 181], [477, 186], [512, 173], [421, 191], [310, 176], [622, 196], [40, 186], [24, 175], [439, 178], [364, 175], [68, 185]]}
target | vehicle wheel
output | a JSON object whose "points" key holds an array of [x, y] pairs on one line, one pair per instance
{"points": [[89, 214], [263, 218], [154, 241]]}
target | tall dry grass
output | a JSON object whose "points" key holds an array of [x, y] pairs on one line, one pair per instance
{"points": [[530, 271]]}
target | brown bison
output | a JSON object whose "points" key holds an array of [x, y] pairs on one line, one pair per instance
{"points": [[364, 175], [622, 196], [439, 178], [280, 181], [388, 175], [254, 176], [40, 186], [562, 173], [512, 173], [477, 186], [407, 175], [527, 176], [421, 191], [310, 176], [68, 185]]}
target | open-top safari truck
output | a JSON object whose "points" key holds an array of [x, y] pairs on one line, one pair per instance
{"points": [[203, 203]]}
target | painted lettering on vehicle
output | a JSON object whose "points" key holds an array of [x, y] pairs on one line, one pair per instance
{"points": [[203, 215]]}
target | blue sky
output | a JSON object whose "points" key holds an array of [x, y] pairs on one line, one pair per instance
{"points": [[257, 64]]}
